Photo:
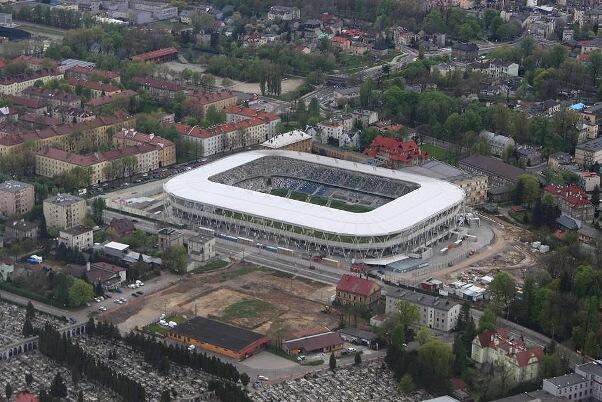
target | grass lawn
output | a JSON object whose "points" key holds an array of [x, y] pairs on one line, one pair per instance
{"points": [[155, 328], [438, 153], [212, 266], [247, 308], [336, 204]]}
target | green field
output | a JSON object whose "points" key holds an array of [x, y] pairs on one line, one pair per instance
{"points": [[438, 153], [247, 308], [155, 328], [336, 204], [212, 266]]}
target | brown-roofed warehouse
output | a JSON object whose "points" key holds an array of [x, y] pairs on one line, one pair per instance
{"points": [[218, 337]]}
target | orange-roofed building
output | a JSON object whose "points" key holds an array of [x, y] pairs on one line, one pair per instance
{"points": [[572, 201], [394, 153], [157, 56], [520, 360], [355, 290]]}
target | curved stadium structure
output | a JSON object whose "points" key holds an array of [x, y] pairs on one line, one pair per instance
{"points": [[318, 204]]}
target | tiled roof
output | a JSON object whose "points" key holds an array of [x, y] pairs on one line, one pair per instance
{"points": [[356, 285], [250, 113], [500, 340], [207, 98], [105, 100], [93, 85], [90, 71], [158, 84], [142, 138], [92, 159], [219, 129], [572, 194], [155, 54]]}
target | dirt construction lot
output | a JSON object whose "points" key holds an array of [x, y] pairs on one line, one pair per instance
{"points": [[242, 294]]}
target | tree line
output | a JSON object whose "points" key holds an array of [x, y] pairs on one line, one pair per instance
{"points": [[62, 351]]}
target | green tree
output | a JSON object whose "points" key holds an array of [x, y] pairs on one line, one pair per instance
{"points": [[80, 292], [596, 197], [27, 328], [8, 391], [406, 384], [503, 290], [28, 379], [98, 207], [332, 363], [357, 359], [435, 364], [526, 190], [30, 311], [423, 335], [487, 322], [244, 379], [366, 93], [58, 389], [165, 396], [174, 259]]}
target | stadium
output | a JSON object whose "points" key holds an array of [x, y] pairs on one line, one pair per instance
{"points": [[321, 205]]}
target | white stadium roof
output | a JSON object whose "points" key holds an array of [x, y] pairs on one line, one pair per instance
{"points": [[432, 197]]}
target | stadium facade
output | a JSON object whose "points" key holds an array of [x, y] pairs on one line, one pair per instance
{"points": [[321, 205]]}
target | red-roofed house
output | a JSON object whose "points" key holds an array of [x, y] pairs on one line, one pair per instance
{"points": [[97, 89], [108, 275], [355, 290], [312, 340], [198, 103], [520, 361], [158, 88], [395, 153], [572, 200], [237, 113]]}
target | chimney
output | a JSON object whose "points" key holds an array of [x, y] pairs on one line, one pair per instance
{"points": [[88, 266]]}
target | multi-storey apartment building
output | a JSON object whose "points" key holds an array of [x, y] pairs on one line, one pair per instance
{"points": [[435, 312], [237, 113], [64, 211], [13, 85], [166, 148], [16, 198]]}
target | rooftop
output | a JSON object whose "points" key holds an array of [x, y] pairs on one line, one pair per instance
{"points": [[439, 303], [64, 199], [77, 230], [156, 54], [566, 380], [356, 285], [217, 333], [430, 198], [13, 186], [591, 145], [493, 166]]}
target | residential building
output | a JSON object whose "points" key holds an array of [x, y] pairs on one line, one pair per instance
{"points": [[120, 227], [359, 336], [394, 153], [97, 131], [236, 113], [571, 386], [158, 89], [589, 181], [20, 230], [108, 275], [218, 337], [131, 137], [529, 155], [96, 88], [158, 56], [502, 69], [283, 13], [498, 144], [92, 74], [120, 100], [52, 161], [77, 237], [520, 361], [7, 268], [16, 198], [366, 117], [590, 152], [357, 291], [346, 94], [465, 51], [589, 235], [225, 137], [572, 201], [169, 237], [312, 340], [200, 102], [435, 312], [559, 160], [13, 85], [295, 140], [53, 97], [201, 249], [64, 211]]}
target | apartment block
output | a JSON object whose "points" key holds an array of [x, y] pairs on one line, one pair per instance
{"points": [[16, 198], [64, 211]]}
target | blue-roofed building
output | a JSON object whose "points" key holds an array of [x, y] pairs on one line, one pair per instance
{"points": [[577, 107]]}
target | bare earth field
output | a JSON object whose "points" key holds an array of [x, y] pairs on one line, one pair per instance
{"points": [[242, 294]]}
